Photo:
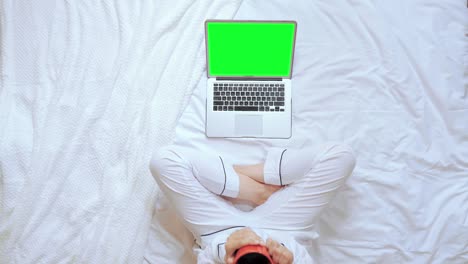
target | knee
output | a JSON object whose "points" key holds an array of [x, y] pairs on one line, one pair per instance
{"points": [[162, 160], [345, 157]]}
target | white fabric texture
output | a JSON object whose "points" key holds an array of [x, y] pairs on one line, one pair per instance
{"points": [[389, 78], [88, 91], [214, 172], [289, 212]]}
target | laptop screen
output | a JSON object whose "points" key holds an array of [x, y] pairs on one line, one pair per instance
{"points": [[250, 48]]}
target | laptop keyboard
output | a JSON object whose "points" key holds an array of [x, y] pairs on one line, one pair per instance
{"points": [[260, 97]]}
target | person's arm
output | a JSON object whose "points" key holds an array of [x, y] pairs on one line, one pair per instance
{"points": [[204, 256], [279, 253], [288, 253], [238, 239], [291, 252], [222, 247]]}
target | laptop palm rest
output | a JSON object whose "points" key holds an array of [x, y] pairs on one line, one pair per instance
{"points": [[248, 125]]}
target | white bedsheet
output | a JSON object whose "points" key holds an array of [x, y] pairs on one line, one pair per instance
{"points": [[386, 77], [88, 90]]}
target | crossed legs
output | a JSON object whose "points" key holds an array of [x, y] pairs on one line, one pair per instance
{"points": [[252, 188], [291, 187]]}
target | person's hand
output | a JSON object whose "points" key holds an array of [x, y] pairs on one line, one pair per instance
{"points": [[279, 253], [238, 239]]}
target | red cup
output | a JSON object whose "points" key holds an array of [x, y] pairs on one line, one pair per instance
{"points": [[252, 249]]}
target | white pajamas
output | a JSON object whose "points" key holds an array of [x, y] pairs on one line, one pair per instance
{"points": [[193, 182]]}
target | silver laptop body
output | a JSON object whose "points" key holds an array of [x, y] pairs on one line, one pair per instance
{"points": [[249, 106]]}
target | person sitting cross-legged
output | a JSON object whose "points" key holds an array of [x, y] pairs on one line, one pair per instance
{"points": [[290, 189]]}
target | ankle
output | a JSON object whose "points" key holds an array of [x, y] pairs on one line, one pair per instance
{"points": [[266, 191], [263, 193], [254, 171], [262, 198]]}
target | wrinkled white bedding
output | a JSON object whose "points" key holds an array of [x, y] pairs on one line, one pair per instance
{"points": [[88, 91], [388, 78]]}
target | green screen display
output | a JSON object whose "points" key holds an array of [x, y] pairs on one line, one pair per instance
{"points": [[260, 49]]}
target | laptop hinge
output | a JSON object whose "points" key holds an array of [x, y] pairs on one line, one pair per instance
{"points": [[249, 79]]}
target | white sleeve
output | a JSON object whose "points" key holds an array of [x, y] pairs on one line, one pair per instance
{"points": [[300, 253], [204, 256], [215, 250]]}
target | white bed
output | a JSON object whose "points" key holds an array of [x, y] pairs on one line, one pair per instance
{"points": [[90, 90], [387, 78]]}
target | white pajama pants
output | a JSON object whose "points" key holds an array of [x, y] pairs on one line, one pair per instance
{"points": [[194, 181]]}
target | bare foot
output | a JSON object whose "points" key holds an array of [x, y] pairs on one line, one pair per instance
{"points": [[267, 191], [232, 199], [254, 171], [262, 196], [254, 191]]}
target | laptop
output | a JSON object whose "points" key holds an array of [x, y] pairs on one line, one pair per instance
{"points": [[249, 68]]}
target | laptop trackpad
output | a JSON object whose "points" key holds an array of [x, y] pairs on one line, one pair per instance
{"points": [[249, 125]]}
